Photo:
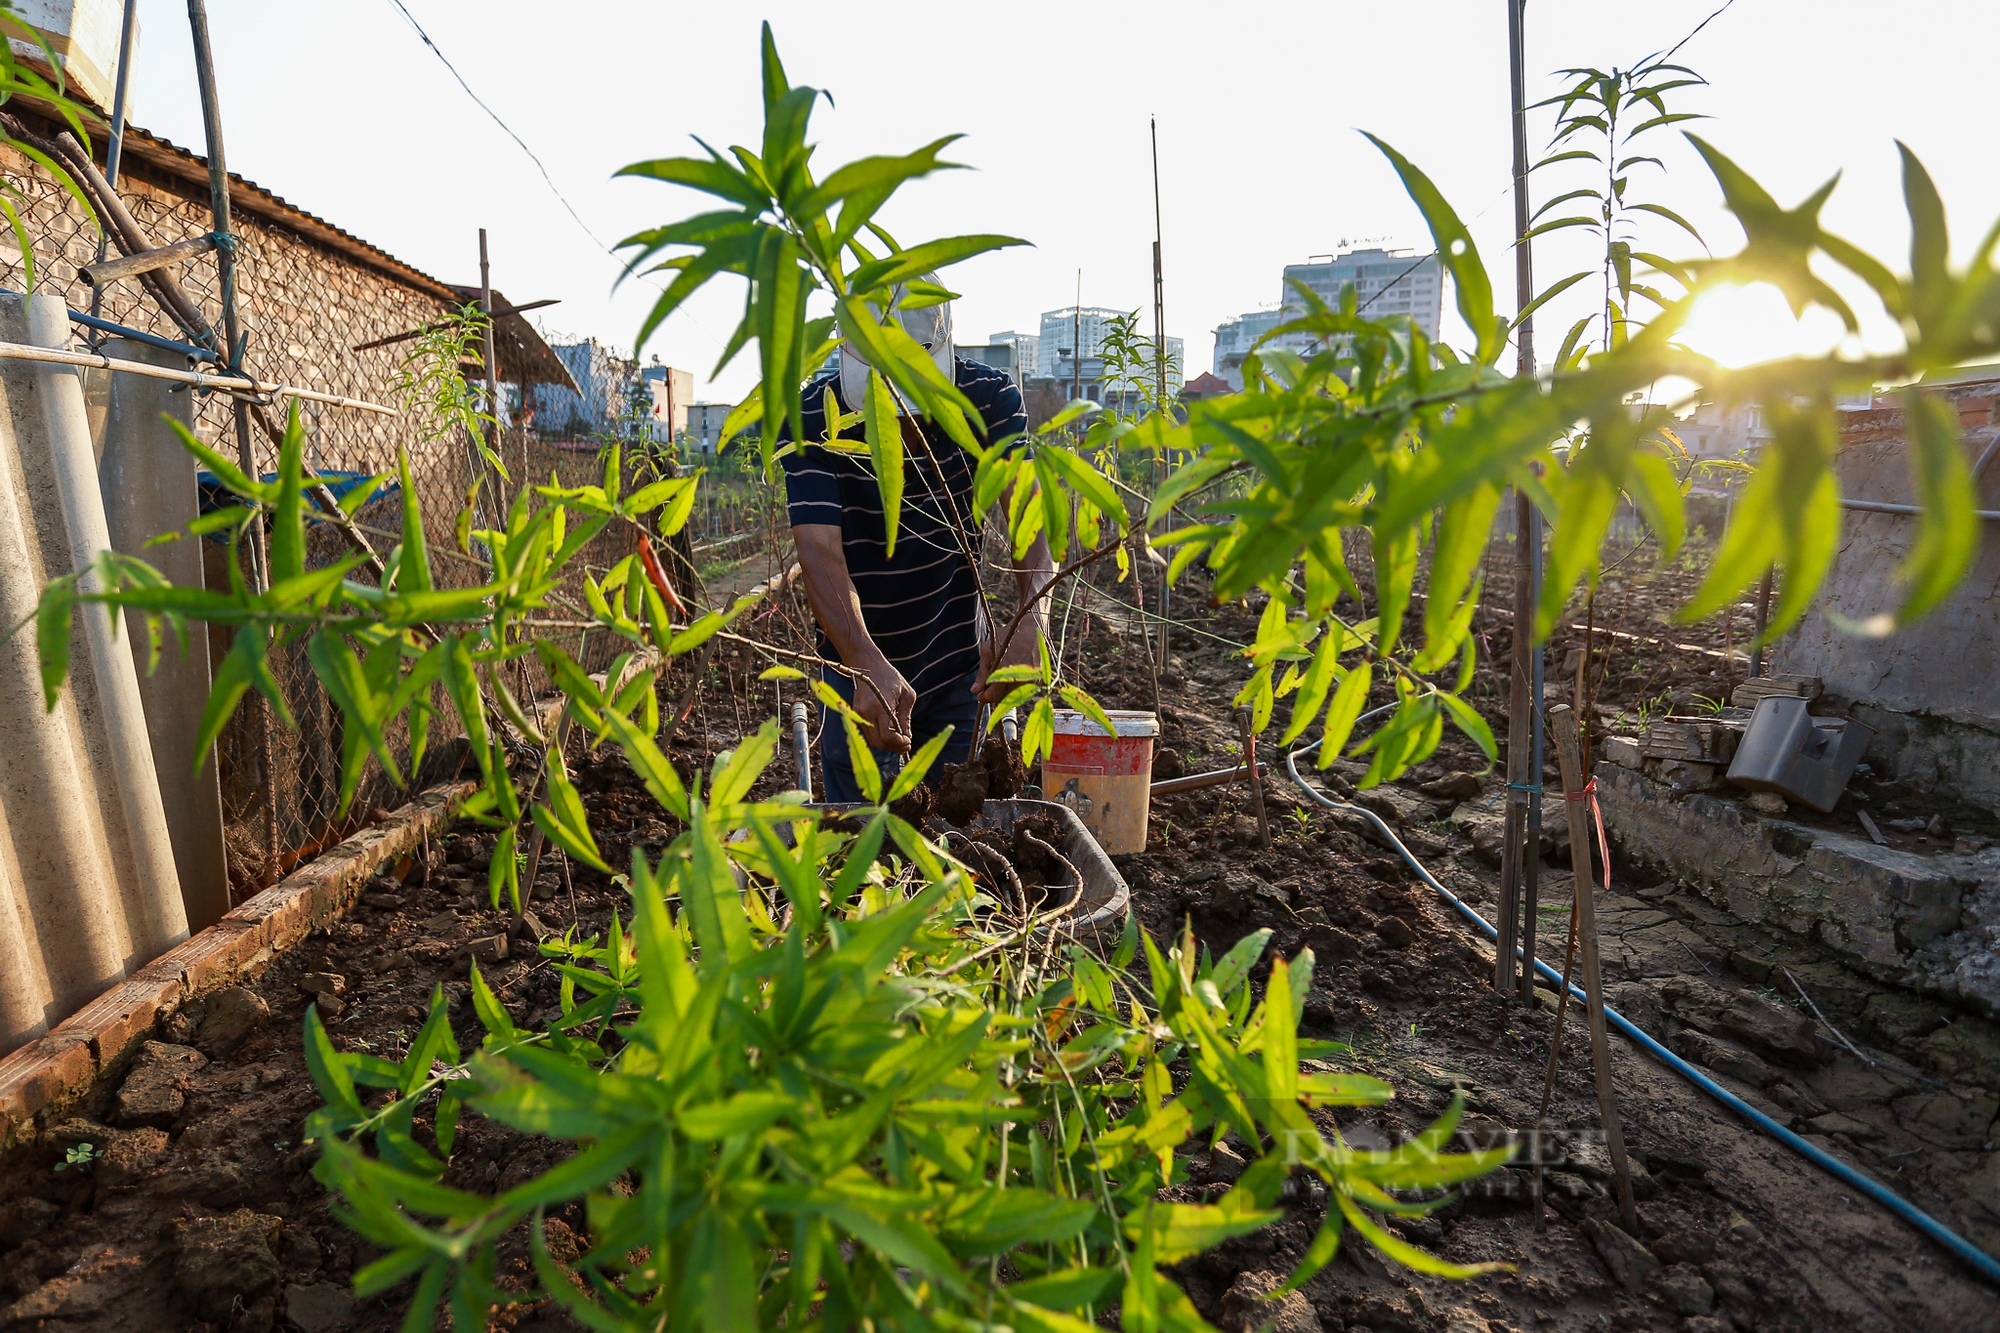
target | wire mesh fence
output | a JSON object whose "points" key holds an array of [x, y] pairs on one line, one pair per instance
{"points": [[307, 306]]}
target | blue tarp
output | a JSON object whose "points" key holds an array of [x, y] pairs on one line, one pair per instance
{"points": [[215, 495]]}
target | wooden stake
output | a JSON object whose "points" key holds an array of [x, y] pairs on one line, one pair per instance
{"points": [[1576, 797], [1246, 729]]}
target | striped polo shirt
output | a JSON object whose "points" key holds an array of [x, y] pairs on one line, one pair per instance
{"points": [[921, 607]]}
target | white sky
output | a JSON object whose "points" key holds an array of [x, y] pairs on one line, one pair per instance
{"points": [[342, 110]]}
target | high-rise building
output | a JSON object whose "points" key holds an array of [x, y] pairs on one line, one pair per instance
{"points": [[704, 426], [1385, 283], [1235, 337], [1074, 333], [1027, 352]]}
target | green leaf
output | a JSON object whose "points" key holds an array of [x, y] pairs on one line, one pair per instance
{"points": [[885, 447], [1407, 1254], [1088, 706], [413, 569], [493, 1016], [1234, 967], [218, 463], [919, 260], [1947, 539], [243, 666], [1281, 1033], [288, 529], [54, 618], [563, 821], [869, 177], [917, 766], [328, 1069], [1183, 1229], [1087, 481], [1460, 257], [714, 177], [1342, 713], [1471, 723], [731, 782], [1067, 1289], [866, 772], [655, 770], [709, 893], [1548, 294], [1074, 408]]}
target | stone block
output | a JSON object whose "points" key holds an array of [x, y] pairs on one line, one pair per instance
{"points": [[1622, 751], [219, 1261], [1631, 1263], [1685, 1292], [1245, 1307], [228, 1017], [47, 1070], [131, 1155]]}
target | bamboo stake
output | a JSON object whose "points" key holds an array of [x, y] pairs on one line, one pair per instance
{"points": [[133, 266], [199, 379], [1562, 719], [1247, 730]]}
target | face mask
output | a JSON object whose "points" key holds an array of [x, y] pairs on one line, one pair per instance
{"points": [[930, 326]]}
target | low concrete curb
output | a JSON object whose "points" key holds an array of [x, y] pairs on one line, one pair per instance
{"points": [[45, 1078]]}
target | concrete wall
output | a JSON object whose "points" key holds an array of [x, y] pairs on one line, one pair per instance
{"points": [[1929, 923], [147, 480], [88, 889], [311, 297], [1931, 689]]}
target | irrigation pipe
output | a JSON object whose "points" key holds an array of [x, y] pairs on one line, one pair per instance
{"points": [[1971, 1255]]}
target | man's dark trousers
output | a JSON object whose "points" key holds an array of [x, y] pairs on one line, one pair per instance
{"points": [[954, 706]]}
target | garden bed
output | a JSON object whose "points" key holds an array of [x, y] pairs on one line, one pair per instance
{"points": [[199, 1209]]}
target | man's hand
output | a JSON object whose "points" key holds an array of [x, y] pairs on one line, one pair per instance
{"points": [[1025, 650], [881, 695], [886, 728]]}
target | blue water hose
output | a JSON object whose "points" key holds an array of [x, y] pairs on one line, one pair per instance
{"points": [[1971, 1255]]}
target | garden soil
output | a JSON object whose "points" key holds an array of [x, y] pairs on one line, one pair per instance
{"points": [[198, 1210]]}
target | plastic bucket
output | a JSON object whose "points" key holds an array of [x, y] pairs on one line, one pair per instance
{"points": [[1106, 779]]}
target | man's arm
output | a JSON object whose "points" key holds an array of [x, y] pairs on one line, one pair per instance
{"points": [[837, 607]]}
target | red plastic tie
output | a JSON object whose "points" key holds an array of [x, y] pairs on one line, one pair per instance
{"points": [[1588, 792]]}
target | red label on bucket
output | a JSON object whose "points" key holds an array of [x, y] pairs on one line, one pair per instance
{"points": [[1120, 756]]}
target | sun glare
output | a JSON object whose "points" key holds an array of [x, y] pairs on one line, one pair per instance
{"points": [[1740, 326]]}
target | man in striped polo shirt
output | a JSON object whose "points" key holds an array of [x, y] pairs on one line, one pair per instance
{"points": [[912, 625]]}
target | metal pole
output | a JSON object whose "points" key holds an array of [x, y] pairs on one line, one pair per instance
{"points": [[1531, 856], [117, 149], [492, 372], [802, 749], [1763, 619], [1076, 337], [233, 348], [1159, 280], [1160, 375], [1524, 766]]}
